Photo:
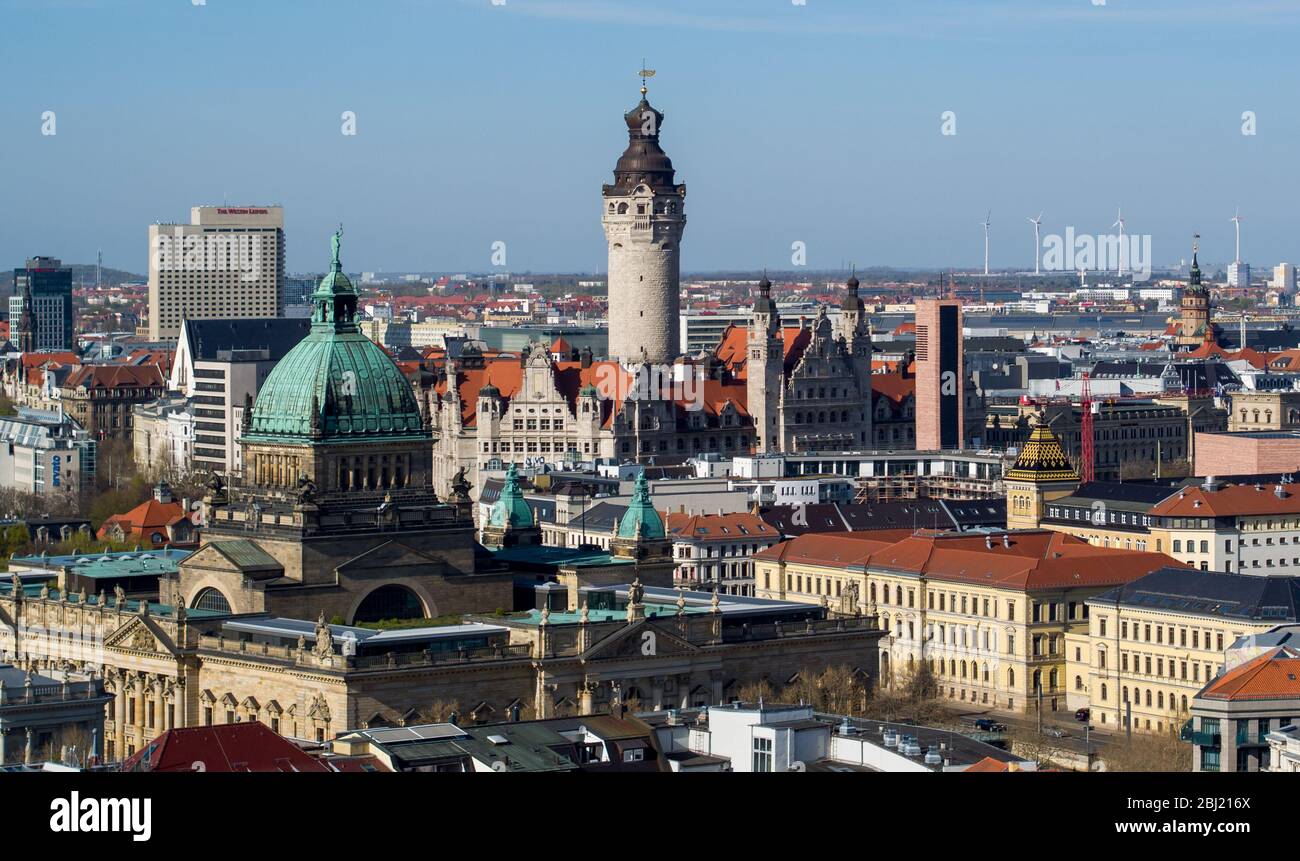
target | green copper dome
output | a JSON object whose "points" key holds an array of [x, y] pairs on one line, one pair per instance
{"points": [[336, 385], [511, 509], [641, 513]]}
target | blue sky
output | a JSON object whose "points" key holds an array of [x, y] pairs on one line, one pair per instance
{"points": [[817, 123]]}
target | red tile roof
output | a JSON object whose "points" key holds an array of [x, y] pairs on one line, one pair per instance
{"points": [[1274, 675], [115, 376], [230, 747], [1030, 559], [1231, 500], [720, 527], [145, 519], [895, 386]]}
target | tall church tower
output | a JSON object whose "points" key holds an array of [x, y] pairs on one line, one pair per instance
{"points": [[1194, 325], [764, 367], [644, 216], [856, 332]]}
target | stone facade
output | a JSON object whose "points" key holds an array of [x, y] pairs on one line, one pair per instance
{"points": [[166, 669], [644, 215]]}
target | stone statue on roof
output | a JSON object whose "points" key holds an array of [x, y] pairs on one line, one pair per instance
{"points": [[324, 637], [306, 490]]}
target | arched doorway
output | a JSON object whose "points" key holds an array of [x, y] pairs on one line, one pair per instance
{"points": [[392, 601], [211, 599]]}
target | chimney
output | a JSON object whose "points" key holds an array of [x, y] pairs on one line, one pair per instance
{"points": [[1006, 539], [988, 542]]}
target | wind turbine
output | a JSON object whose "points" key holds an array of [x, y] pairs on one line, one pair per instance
{"points": [[1119, 222], [1037, 245], [1236, 220], [986, 222]]}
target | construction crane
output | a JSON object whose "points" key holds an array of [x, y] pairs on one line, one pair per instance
{"points": [[1087, 454]]}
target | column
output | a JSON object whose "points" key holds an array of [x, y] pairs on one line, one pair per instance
{"points": [[158, 717], [141, 703], [119, 715]]}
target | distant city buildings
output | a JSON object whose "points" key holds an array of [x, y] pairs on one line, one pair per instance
{"points": [[40, 311], [46, 453], [227, 262], [220, 366]]}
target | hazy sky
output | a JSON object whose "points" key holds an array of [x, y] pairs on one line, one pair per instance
{"points": [[817, 123]]}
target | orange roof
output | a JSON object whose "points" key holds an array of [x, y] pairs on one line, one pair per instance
{"points": [[1231, 500], [1274, 675], [1284, 360], [114, 376], [732, 349], [836, 549], [1030, 559], [37, 360], [907, 328], [894, 386], [561, 346], [146, 518], [1210, 350], [719, 527]]}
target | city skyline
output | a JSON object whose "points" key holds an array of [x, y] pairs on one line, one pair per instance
{"points": [[456, 149]]}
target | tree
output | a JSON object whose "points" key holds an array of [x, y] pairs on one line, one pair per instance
{"points": [[1159, 751], [1029, 743], [752, 692], [835, 690]]}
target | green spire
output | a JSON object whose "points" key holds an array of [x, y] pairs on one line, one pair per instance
{"points": [[511, 509], [641, 521], [334, 304], [1196, 266]]}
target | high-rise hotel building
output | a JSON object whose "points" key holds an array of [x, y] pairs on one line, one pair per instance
{"points": [[228, 262], [40, 311]]}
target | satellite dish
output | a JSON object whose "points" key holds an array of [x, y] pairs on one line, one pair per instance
{"points": [[500, 766], [797, 765]]}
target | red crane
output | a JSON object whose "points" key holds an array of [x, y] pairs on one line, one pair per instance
{"points": [[1087, 454]]}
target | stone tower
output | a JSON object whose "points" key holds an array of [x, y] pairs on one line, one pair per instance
{"points": [[764, 367], [1194, 326], [856, 332], [644, 216], [1041, 474]]}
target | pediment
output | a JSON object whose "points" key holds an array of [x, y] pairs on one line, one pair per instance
{"points": [[386, 557], [641, 639], [141, 637]]}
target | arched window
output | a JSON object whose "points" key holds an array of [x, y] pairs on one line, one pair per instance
{"points": [[1103, 693], [211, 599], [389, 602], [1011, 678], [1078, 683]]}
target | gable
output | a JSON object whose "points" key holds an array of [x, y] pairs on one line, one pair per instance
{"points": [[241, 557], [642, 639], [139, 635], [388, 556]]}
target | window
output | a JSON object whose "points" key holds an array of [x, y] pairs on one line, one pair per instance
{"points": [[762, 754], [636, 754]]}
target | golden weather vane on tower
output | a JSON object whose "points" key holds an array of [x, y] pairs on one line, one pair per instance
{"points": [[645, 75]]}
